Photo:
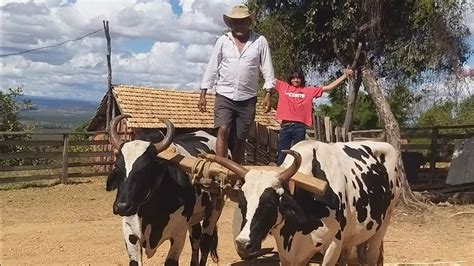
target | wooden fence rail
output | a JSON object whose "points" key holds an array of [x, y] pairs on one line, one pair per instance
{"points": [[435, 143], [261, 146], [32, 156], [61, 155]]}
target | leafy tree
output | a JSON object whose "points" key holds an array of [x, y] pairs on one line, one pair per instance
{"points": [[80, 129], [465, 114], [283, 58], [10, 120], [10, 107], [441, 114], [401, 101], [447, 113], [364, 117], [400, 98]]}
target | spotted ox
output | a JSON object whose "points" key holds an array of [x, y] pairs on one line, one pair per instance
{"points": [[157, 201], [363, 187]]}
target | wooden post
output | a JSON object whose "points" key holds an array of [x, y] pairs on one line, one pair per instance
{"points": [[317, 129], [321, 128], [344, 134], [273, 144], [329, 129], [433, 151], [331, 132], [65, 158], [338, 133], [353, 90], [109, 76], [257, 144], [327, 126], [268, 146], [315, 126], [114, 108], [127, 136]]}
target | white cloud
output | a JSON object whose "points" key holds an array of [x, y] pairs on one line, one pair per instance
{"points": [[197, 53], [470, 19], [177, 53]]}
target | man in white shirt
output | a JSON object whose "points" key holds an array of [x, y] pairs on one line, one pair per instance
{"points": [[233, 69]]}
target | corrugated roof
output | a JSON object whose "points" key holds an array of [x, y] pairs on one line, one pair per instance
{"points": [[147, 105]]}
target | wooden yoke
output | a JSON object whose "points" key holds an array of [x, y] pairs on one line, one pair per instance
{"points": [[304, 181], [187, 163]]}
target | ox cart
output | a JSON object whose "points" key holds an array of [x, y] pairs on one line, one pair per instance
{"points": [[164, 188]]}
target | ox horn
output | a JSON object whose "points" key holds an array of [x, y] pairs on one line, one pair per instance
{"points": [[238, 169], [114, 136], [168, 139], [290, 171]]}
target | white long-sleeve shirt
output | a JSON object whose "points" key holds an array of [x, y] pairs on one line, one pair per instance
{"points": [[235, 75]]}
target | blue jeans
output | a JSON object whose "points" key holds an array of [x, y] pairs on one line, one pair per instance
{"points": [[290, 134]]}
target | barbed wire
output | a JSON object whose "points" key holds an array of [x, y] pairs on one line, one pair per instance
{"points": [[50, 46]]}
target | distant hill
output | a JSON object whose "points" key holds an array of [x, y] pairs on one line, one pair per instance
{"points": [[58, 113]]}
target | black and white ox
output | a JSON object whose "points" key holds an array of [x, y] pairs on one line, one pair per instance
{"points": [[157, 200], [363, 187]]}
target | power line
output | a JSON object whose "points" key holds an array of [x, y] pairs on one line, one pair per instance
{"points": [[50, 46]]}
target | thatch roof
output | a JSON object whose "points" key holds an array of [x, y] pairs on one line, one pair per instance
{"points": [[147, 105]]}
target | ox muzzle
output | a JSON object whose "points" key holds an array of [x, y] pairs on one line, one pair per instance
{"points": [[249, 250], [127, 206], [124, 209]]}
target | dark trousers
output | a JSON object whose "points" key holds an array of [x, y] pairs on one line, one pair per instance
{"points": [[290, 134]]}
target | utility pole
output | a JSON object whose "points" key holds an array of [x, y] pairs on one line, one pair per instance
{"points": [[108, 116]]}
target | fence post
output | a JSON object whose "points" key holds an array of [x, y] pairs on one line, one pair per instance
{"points": [[257, 143], [328, 127], [433, 152], [321, 128], [338, 134], [315, 126], [65, 158]]}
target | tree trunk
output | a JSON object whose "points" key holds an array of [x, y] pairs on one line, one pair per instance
{"points": [[391, 129], [351, 102]]}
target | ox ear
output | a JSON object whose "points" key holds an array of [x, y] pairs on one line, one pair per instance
{"points": [[232, 193], [291, 210], [112, 180]]}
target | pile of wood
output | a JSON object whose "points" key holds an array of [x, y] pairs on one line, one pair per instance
{"points": [[453, 194]]}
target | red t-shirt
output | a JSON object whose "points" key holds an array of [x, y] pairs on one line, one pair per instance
{"points": [[296, 104]]}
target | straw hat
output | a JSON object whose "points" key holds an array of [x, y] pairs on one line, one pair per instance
{"points": [[238, 12]]}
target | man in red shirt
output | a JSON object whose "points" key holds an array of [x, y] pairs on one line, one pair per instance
{"points": [[295, 108]]}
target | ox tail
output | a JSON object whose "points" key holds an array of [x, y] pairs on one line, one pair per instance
{"points": [[214, 241]]}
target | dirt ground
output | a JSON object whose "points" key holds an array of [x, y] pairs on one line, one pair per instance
{"points": [[74, 225]]}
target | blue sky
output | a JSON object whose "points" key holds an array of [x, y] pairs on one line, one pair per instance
{"points": [[470, 62], [156, 43], [177, 9]]}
